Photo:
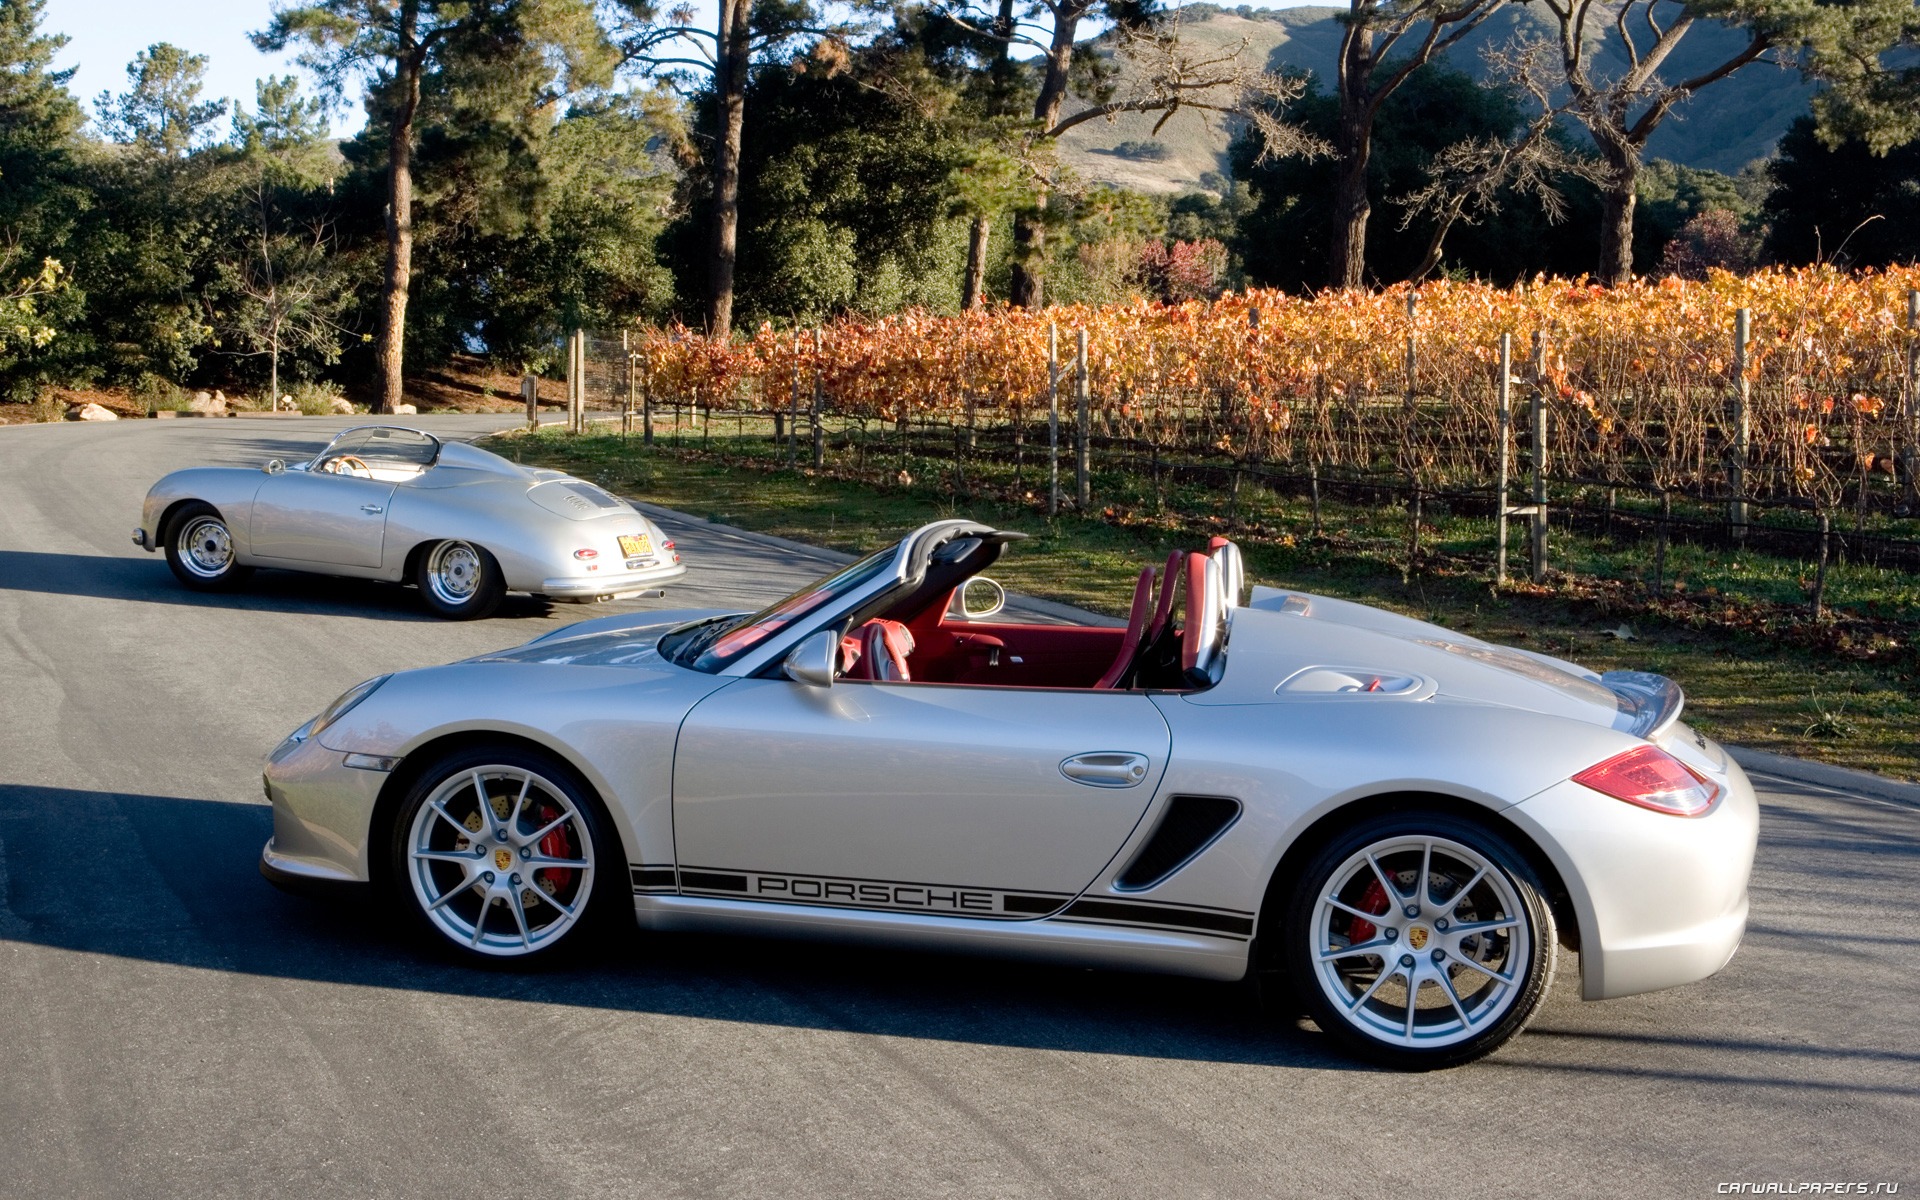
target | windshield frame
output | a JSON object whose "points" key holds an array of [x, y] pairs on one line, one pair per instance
{"points": [[313, 463], [903, 563]]}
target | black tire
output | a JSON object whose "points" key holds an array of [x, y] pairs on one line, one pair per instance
{"points": [[459, 580], [1459, 1012], [199, 549], [475, 919]]}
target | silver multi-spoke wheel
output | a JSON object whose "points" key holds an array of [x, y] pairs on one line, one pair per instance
{"points": [[501, 859], [1420, 941], [205, 546], [453, 573]]}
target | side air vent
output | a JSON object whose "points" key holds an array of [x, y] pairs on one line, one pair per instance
{"points": [[1188, 826]]}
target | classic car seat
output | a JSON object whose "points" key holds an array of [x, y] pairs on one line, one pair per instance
{"points": [[1136, 631]]}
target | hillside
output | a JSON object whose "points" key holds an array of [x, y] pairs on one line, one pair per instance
{"points": [[1727, 126]]}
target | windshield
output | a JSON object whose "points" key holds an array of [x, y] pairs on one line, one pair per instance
{"points": [[383, 446], [712, 646]]}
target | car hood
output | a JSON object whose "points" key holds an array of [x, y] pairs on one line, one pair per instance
{"points": [[628, 640], [1298, 645]]}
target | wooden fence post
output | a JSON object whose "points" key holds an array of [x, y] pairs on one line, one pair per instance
{"points": [[633, 388], [793, 409], [1538, 544], [1742, 429], [819, 434], [1053, 420], [1410, 419], [1082, 486], [1913, 396], [530, 392], [1504, 439]]}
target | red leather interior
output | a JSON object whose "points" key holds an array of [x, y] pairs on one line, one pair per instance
{"points": [[1163, 610], [884, 647], [1136, 630], [1196, 589]]}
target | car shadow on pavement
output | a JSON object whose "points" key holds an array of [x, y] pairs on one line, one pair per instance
{"points": [[148, 579], [173, 880]]}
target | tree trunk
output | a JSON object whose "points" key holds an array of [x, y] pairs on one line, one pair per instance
{"points": [[1029, 233], [393, 300], [730, 91], [974, 292], [1027, 289], [1617, 200], [1353, 150]]}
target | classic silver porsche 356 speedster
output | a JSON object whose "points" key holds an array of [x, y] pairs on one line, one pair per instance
{"points": [[388, 502], [1390, 825]]}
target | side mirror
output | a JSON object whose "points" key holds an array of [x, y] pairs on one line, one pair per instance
{"points": [[981, 597], [813, 661], [274, 466]]}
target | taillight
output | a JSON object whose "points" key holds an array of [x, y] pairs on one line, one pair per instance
{"points": [[1651, 778], [586, 554]]}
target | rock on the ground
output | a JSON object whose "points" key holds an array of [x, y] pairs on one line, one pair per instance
{"points": [[285, 404], [404, 410], [94, 412], [340, 406], [202, 402]]}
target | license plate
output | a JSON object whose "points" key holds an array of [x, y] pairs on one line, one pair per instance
{"points": [[636, 547]]}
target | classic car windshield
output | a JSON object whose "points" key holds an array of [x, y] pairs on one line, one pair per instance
{"points": [[383, 446], [713, 645]]}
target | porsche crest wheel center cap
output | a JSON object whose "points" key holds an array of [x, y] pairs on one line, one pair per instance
{"points": [[503, 858], [1417, 937]]}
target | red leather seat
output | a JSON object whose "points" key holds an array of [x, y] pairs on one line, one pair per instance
{"points": [[884, 647], [1136, 630], [1163, 611]]}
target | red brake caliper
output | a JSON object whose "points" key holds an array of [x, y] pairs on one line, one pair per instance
{"points": [[558, 845], [1374, 900]]}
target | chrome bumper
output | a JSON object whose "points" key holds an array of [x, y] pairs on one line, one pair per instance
{"points": [[610, 587], [140, 539]]}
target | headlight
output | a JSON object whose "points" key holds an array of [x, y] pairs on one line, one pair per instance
{"points": [[341, 707]]}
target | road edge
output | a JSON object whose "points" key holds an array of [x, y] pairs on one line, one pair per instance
{"points": [[1819, 774]]}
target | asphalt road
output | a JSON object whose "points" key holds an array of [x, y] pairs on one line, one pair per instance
{"points": [[170, 1025]]}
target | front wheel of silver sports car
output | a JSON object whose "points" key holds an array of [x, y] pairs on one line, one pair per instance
{"points": [[460, 580], [200, 549], [1419, 940], [503, 854]]}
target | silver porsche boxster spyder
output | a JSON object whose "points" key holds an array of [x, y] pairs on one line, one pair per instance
{"points": [[393, 503], [1390, 827]]}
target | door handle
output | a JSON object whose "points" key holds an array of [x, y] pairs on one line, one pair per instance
{"points": [[1108, 769], [371, 508]]}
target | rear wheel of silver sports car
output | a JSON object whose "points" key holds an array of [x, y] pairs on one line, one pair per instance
{"points": [[200, 549], [460, 580], [1420, 940], [503, 854]]}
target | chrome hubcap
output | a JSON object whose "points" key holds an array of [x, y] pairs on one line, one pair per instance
{"points": [[205, 547], [454, 572], [500, 860], [1420, 942]]}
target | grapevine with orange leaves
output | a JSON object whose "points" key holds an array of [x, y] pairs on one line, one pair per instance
{"points": [[1638, 378]]}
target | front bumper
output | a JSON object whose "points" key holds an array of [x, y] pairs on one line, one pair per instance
{"points": [[610, 587], [140, 539], [1661, 900], [322, 814]]}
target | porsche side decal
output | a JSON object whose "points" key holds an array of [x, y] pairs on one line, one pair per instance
{"points": [[889, 894], [651, 879], [951, 900]]}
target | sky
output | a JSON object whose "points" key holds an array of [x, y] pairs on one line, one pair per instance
{"points": [[108, 33]]}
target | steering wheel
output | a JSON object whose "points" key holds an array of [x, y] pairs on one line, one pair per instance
{"points": [[347, 464]]}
